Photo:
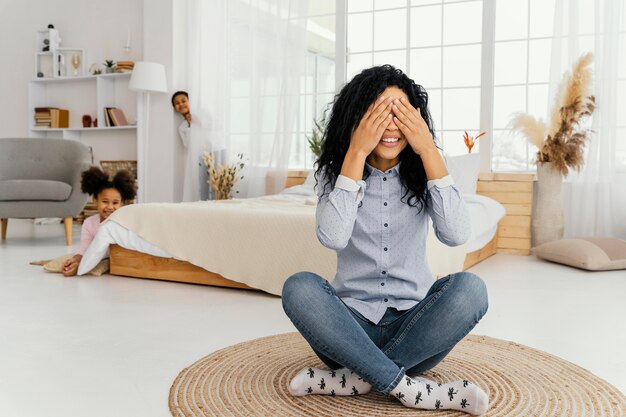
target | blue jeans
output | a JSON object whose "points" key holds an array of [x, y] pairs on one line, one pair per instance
{"points": [[410, 341]]}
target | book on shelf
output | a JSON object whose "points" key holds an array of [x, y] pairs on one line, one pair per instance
{"points": [[60, 118], [115, 117], [52, 117]]}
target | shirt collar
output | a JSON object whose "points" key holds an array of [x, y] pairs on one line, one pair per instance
{"points": [[376, 172]]}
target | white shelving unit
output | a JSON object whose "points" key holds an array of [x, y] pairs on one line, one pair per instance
{"points": [[81, 95], [89, 94]]}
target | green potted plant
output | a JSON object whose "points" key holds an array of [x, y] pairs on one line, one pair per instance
{"points": [[316, 140], [109, 66]]}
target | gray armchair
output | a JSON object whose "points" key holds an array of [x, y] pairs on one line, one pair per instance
{"points": [[41, 178]]}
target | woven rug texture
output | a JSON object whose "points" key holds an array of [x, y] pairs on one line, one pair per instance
{"points": [[251, 379]]}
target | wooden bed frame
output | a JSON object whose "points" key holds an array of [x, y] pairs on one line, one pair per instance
{"points": [[513, 190]]}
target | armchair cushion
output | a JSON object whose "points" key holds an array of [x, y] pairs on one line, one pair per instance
{"points": [[34, 190]]}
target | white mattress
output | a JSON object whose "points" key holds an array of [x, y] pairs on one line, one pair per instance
{"points": [[484, 213]]}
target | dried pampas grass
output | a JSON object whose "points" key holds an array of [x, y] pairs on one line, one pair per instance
{"points": [[533, 128], [222, 178], [562, 140], [573, 87]]}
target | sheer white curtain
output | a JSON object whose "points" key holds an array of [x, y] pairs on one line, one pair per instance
{"points": [[594, 199], [245, 63]]}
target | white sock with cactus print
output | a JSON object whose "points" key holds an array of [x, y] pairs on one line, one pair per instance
{"points": [[459, 395], [327, 382]]}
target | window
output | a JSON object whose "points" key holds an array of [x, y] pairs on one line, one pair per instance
{"points": [[319, 83], [523, 41], [437, 43]]}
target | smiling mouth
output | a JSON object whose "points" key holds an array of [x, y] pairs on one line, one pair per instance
{"points": [[390, 140]]}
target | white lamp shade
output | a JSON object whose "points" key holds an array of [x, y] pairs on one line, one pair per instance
{"points": [[148, 77]]}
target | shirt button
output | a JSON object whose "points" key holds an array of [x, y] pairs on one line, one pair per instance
{"points": [[385, 203], [384, 178], [384, 272], [386, 225], [382, 284], [386, 300], [385, 249]]}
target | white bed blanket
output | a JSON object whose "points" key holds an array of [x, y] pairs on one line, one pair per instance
{"points": [[259, 242]]}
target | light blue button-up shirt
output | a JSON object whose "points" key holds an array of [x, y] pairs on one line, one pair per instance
{"points": [[381, 241]]}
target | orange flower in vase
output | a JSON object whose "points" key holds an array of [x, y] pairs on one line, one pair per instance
{"points": [[470, 140]]}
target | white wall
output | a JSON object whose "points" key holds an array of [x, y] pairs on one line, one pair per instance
{"points": [[165, 147]]}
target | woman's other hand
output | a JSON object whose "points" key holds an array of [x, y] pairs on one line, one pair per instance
{"points": [[412, 125], [371, 127]]}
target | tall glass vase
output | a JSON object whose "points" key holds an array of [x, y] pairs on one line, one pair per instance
{"points": [[547, 221]]}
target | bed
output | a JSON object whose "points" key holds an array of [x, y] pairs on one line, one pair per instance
{"points": [[274, 235]]}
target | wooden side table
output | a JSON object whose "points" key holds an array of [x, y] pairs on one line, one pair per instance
{"points": [[515, 192]]}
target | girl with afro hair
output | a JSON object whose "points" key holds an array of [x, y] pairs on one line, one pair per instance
{"points": [[384, 320], [108, 196]]}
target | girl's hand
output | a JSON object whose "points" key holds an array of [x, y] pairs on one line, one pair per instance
{"points": [[413, 127], [188, 118], [70, 267], [371, 127]]}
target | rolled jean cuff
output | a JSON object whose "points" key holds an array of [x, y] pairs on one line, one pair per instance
{"points": [[394, 383]]}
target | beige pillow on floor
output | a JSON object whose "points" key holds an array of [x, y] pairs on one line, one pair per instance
{"points": [[591, 253], [56, 265]]}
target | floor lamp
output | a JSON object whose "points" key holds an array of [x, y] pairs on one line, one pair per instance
{"points": [[147, 77]]}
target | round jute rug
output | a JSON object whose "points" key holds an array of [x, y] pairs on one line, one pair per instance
{"points": [[251, 378]]}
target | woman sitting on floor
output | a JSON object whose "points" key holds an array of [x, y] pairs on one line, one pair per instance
{"points": [[380, 177]]}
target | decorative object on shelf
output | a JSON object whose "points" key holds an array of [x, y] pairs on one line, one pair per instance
{"points": [[75, 63], [61, 70], [560, 143], [127, 45], [146, 78], [48, 39], [222, 178], [86, 120], [470, 141], [95, 69], [95, 122], [109, 66], [40, 74]]}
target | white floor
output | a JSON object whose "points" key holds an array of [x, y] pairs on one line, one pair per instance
{"points": [[112, 346]]}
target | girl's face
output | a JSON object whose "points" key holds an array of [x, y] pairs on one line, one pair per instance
{"points": [[387, 152], [181, 104], [107, 201]]}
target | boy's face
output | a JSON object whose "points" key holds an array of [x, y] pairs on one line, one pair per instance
{"points": [[392, 142], [181, 104], [107, 201]]}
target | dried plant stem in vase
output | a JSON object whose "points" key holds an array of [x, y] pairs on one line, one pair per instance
{"points": [[561, 145], [222, 178]]}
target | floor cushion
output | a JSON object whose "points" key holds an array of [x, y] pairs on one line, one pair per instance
{"points": [[590, 253]]}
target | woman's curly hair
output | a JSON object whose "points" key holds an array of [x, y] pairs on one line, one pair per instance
{"points": [[94, 180], [347, 111]]}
